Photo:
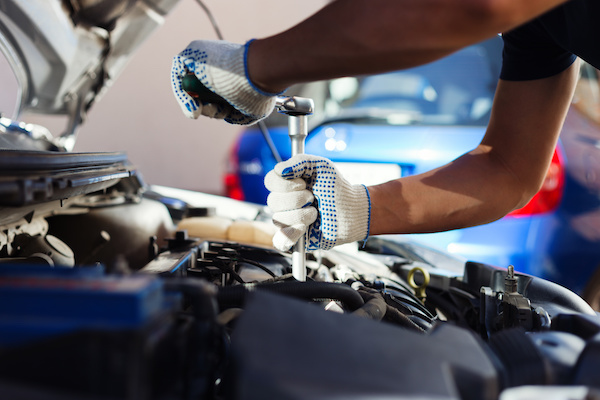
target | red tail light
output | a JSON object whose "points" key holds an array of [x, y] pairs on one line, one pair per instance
{"points": [[550, 195], [233, 188], [231, 180]]}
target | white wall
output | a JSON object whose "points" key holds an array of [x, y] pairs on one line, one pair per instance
{"points": [[140, 116]]}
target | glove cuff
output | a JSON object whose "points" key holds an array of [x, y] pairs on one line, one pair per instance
{"points": [[361, 218], [348, 223], [230, 79]]}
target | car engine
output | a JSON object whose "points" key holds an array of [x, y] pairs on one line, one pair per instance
{"points": [[126, 291]]}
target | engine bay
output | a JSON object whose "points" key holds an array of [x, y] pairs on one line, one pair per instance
{"points": [[127, 292]]}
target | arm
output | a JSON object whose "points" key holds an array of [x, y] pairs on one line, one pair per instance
{"points": [[345, 38], [501, 174], [355, 37]]}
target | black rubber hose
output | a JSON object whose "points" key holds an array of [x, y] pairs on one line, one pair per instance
{"points": [[201, 294], [234, 296], [374, 307]]}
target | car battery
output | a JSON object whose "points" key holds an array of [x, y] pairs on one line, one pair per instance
{"points": [[35, 303], [78, 332]]}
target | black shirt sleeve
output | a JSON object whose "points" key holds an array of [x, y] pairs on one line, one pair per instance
{"points": [[531, 53]]}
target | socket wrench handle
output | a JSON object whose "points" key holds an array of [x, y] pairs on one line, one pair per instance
{"points": [[192, 85], [297, 109]]}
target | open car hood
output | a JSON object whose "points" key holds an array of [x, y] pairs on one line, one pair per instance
{"points": [[65, 60]]}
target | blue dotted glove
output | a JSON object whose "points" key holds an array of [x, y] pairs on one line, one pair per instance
{"points": [[221, 67], [309, 196]]}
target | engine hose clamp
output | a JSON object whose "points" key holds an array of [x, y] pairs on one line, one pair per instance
{"points": [[419, 288]]}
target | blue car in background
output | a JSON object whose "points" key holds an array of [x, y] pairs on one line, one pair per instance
{"points": [[382, 127]]}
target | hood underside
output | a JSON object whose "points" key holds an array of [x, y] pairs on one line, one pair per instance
{"points": [[63, 62]]}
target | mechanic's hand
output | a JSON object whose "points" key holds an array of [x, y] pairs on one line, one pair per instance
{"points": [[221, 67], [304, 183]]}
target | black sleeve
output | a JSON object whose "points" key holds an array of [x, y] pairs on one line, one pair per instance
{"points": [[531, 53]]}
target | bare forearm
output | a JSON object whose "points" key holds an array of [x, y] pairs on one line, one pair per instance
{"points": [[471, 190], [501, 174], [353, 37]]}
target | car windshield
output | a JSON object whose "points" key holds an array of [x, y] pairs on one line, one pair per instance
{"points": [[458, 89]]}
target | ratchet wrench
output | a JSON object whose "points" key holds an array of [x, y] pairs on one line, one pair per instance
{"points": [[297, 109]]}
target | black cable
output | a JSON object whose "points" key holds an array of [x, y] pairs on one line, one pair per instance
{"points": [[267, 135], [259, 265], [224, 265], [235, 256], [261, 124], [212, 19]]}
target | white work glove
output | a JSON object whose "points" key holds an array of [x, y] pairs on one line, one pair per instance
{"points": [[221, 67], [304, 183]]}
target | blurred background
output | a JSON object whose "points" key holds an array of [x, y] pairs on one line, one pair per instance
{"points": [[139, 114]]}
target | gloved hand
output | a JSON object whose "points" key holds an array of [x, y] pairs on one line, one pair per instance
{"points": [[221, 67], [304, 183]]}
